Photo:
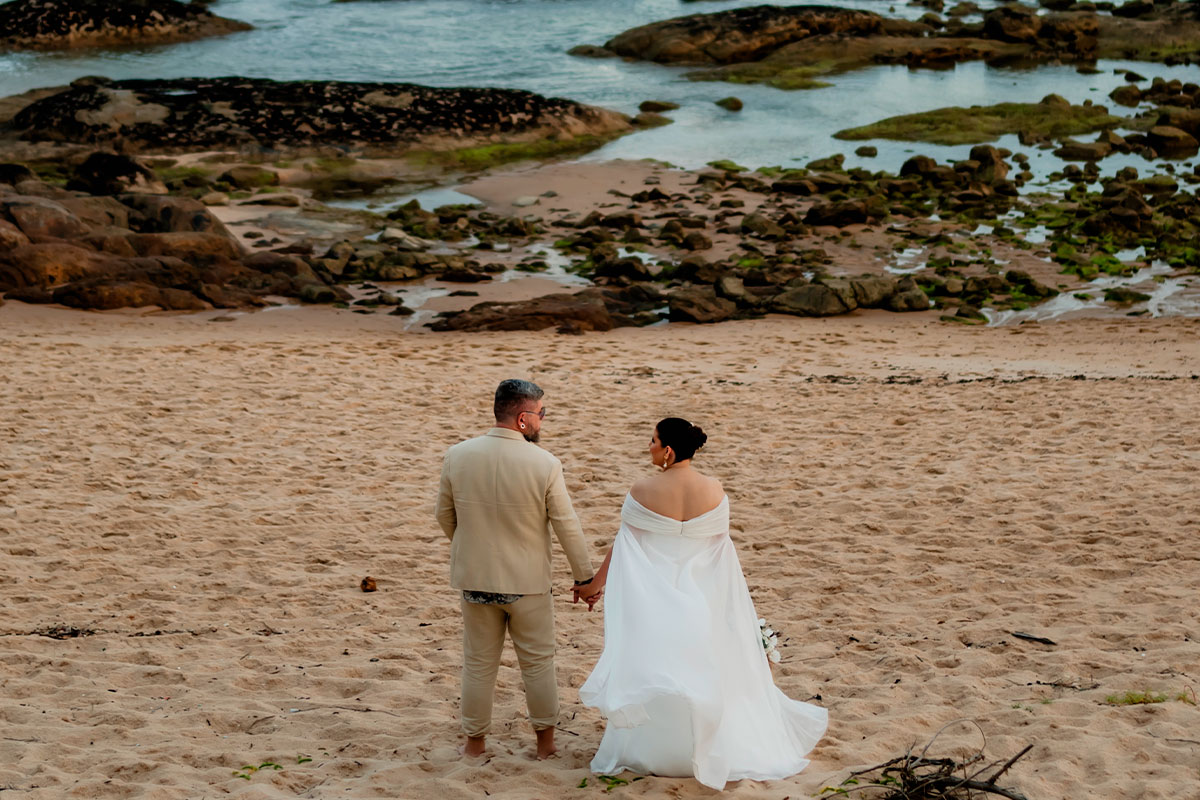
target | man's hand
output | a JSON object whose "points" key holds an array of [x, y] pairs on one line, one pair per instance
{"points": [[589, 592]]}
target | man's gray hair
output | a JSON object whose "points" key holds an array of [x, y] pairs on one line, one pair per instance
{"points": [[513, 394]]}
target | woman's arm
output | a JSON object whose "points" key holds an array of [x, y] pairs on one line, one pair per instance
{"points": [[592, 591]]}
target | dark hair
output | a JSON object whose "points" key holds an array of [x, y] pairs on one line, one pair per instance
{"points": [[681, 436], [514, 393]]}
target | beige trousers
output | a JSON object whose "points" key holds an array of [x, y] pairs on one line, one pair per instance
{"points": [[530, 623]]}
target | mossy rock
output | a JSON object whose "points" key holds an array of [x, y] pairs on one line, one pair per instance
{"points": [[730, 104], [727, 165], [977, 124], [1123, 296]]}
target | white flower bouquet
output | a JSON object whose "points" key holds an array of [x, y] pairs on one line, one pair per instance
{"points": [[770, 641]]}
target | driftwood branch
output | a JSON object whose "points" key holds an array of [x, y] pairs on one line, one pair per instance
{"points": [[918, 777]]}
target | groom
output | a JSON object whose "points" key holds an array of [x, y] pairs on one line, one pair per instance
{"points": [[500, 496]]}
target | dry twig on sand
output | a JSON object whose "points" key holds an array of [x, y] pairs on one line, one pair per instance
{"points": [[918, 777]]}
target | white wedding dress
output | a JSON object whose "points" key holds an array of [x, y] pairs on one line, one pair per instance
{"points": [[683, 679]]}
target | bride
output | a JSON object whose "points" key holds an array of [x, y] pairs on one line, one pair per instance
{"points": [[683, 679]]}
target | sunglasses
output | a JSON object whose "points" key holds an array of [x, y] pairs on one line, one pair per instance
{"points": [[540, 414]]}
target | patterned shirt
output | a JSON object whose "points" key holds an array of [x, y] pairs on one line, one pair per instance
{"points": [[490, 598]]}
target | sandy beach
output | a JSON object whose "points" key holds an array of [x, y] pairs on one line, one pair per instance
{"points": [[200, 501]]}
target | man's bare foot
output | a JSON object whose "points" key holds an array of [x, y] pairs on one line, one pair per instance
{"points": [[474, 746], [545, 743]]}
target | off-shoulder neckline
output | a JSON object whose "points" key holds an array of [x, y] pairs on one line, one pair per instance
{"points": [[717, 507]]}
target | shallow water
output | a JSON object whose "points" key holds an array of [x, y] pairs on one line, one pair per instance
{"points": [[523, 43]]}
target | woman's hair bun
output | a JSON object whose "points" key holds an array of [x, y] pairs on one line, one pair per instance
{"points": [[681, 436]]}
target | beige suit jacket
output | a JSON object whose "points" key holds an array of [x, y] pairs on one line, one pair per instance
{"points": [[500, 497]]}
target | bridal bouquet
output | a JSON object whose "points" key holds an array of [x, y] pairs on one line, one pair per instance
{"points": [[770, 641]]}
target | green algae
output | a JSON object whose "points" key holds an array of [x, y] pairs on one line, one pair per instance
{"points": [[978, 124], [491, 155]]}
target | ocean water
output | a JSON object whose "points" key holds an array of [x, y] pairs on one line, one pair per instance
{"points": [[523, 43]]}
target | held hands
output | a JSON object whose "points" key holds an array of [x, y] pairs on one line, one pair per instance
{"points": [[590, 592]]}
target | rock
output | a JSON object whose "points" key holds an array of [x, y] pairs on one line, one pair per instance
{"points": [[872, 291], [158, 214], [1133, 9], [624, 270], [1122, 295], [34, 295], [649, 120], [657, 106], [125, 294], [811, 300], [798, 187], [39, 218], [188, 246], [47, 24], [228, 296], [842, 287], [249, 178], [1026, 283], [695, 269], [215, 199], [1071, 150], [918, 165], [697, 241], [1171, 142], [732, 288], [278, 199], [49, 265], [1114, 140], [526, 201], [908, 297], [1012, 23], [967, 312], [933, 20], [622, 219], [699, 304], [992, 167], [839, 214], [583, 310], [108, 173], [730, 103], [255, 113], [318, 293], [402, 240], [866, 151], [759, 225], [591, 51], [11, 236], [1126, 95], [463, 276], [737, 35], [1186, 119], [12, 174]]}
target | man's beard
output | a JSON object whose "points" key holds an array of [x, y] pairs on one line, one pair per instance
{"points": [[532, 437]]}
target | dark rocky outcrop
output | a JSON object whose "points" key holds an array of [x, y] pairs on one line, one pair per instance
{"points": [[110, 173], [700, 304], [584, 310], [56, 24], [187, 113], [737, 35], [792, 47], [115, 250]]}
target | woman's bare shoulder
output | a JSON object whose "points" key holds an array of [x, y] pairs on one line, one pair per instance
{"points": [[642, 487]]}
